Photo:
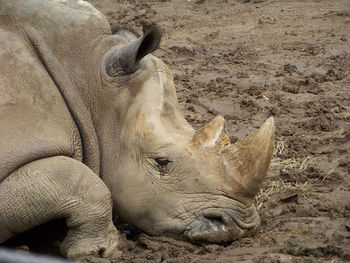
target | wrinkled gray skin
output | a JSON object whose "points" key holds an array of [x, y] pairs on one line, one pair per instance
{"points": [[90, 121]]}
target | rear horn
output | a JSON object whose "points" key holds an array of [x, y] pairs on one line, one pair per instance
{"points": [[212, 134]]}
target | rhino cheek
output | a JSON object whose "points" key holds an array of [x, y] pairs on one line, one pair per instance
{"points": [[133, 198]]}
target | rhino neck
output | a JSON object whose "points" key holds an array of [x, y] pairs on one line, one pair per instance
{"points": [[77, 104], [60, 34]]}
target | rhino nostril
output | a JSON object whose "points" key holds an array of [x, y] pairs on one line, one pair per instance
{"points": [[214, 218], [215, 221]]}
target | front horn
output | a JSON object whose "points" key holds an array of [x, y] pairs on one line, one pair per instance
{"points": [[248, 162]]}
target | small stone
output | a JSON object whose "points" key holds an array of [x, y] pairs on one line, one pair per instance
{"points": [[347, 226], [288, 197], [142, 12]]}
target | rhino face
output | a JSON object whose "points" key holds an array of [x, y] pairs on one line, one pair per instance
{"points": [[165, 177]]}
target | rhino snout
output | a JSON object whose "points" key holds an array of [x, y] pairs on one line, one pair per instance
{"points": [[223, 225]]}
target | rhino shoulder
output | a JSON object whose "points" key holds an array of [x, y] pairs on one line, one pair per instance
{"points": [[34, 119]]}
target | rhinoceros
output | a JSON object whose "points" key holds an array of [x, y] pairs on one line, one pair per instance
{"points": [[90, 127]]}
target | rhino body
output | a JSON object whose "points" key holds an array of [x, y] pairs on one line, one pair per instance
{"points": [[90, 123]]}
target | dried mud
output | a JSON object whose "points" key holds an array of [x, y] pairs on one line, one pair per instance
{"points": [[248, 60]]}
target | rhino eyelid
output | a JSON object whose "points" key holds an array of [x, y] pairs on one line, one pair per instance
{"points": [[162, 161]]}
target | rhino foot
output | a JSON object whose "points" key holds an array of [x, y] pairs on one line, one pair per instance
{"points": [[103, 244]]}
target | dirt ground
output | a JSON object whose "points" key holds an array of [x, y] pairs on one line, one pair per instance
{"points": [[248, 60]]}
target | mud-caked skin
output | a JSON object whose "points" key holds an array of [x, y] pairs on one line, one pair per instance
{"points": [[90, 123]]}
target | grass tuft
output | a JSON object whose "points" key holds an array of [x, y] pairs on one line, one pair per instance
{"points": [[298, 165], [291, 166]]}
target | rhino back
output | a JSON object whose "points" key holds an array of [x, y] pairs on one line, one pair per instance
{"points": [[34, 119]]}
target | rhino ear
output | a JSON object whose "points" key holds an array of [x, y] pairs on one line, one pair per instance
{"points": [[126, 60], [213, 134]]}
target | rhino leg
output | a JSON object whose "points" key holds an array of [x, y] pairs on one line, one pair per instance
{"points": [[60, 187]]}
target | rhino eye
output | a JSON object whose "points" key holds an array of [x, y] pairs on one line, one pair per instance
{"points": [[162, 162]]}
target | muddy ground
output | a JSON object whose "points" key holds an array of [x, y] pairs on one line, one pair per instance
{"points": [[248, 60]]}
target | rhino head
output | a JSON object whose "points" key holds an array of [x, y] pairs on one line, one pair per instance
{"points": [[165, 177]]}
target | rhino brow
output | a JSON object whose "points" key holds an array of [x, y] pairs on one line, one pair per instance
{"points": [[165, 146]]}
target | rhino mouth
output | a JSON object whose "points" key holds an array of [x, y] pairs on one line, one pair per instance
{"points": [[221, 226]]}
